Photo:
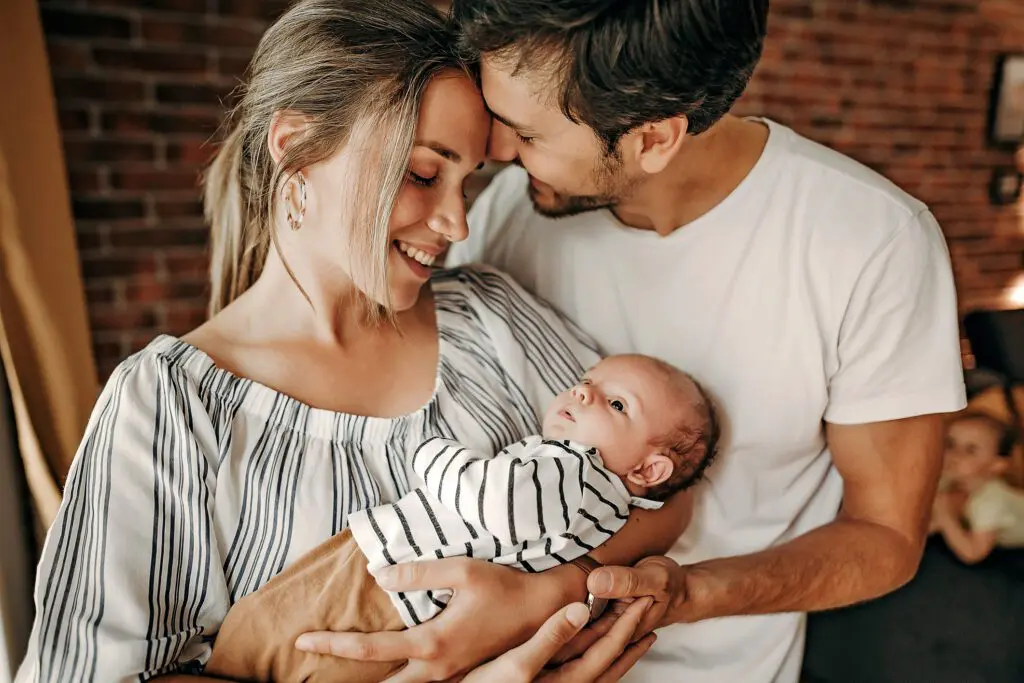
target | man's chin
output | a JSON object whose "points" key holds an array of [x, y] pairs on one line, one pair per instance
{"points": [[555, 205]]}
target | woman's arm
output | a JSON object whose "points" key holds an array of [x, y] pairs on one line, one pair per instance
{"points": [[123, 578]]}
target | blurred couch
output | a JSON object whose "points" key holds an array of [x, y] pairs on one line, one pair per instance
{"points": [[952, 623]]}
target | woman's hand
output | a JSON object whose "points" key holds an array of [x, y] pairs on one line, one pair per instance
{"points": [[493, 609], [606, 661]]}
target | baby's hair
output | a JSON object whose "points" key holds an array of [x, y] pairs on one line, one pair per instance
{"points": [[1008, 435], [691, 444]]}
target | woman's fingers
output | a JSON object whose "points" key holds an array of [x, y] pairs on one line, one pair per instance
{"points": [[630, 657], [385, 646], [523, 663], [558, 630], [609, 647]]}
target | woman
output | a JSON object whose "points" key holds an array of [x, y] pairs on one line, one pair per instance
{"points": [[213, 461]]}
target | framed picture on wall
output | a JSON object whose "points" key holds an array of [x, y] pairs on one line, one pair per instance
{"points": [[1006, 111]]}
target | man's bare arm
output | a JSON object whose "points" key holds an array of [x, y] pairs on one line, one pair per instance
{"points": [[890, 471]]}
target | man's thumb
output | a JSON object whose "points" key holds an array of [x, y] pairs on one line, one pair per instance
{"points": [[619, 582]]}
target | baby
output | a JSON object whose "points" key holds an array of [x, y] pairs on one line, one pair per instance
{"points": [[978, 449], [633, 431]]}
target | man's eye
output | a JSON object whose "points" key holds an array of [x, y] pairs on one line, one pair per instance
{"points": [[420, 180], [617, 405]]}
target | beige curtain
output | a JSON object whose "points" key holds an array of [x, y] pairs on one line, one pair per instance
{"points": [[44, 334]]}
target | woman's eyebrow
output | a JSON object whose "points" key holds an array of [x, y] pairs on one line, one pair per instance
{"points": [[438, 148]]}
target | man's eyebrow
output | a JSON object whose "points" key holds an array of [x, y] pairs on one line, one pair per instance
{"points": [[501, 119], [440, 149]]}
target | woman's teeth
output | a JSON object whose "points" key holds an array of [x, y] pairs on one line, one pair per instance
{"points": [[417, 254]]}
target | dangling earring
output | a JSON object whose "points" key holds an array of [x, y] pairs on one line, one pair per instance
{"points": [[295, 221]]}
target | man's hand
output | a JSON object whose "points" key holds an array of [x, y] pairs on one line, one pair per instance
{"points": [[658, 579], [493, 609]]}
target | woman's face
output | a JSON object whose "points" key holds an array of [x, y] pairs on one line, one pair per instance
{"points": [[451, 142], [430, 211]]}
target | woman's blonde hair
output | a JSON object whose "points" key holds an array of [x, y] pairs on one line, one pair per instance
{"points": [[355, 70]]}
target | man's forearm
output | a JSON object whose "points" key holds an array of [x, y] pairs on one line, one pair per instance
{"points": [[839, 564]]}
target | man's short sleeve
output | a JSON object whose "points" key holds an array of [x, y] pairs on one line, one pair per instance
{"points": [[899, 342]]}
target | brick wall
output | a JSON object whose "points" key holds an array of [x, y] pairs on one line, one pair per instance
{"points": [[900, 85]]}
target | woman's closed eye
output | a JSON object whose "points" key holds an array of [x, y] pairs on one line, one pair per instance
{"points": [[526, 140], [421, 180]]}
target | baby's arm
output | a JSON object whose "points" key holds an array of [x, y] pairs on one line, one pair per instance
{"points": [[970, 546]]}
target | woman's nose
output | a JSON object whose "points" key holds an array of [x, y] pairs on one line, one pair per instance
{"points": [[450, 220]]}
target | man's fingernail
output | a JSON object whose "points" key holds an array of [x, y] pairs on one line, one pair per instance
{"points": [[577, 614], [600, 582], [304, 642]]}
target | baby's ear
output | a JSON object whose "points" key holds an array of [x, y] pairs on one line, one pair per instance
{"points": [[654, 469]]}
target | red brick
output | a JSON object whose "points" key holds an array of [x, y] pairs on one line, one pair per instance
{"points": [[108, 150], [230, 65], [79, 87], [159, 237], [151, 60], [107, 209], [190, 151], [74, 119], [155, 180], [103, 266], [186, 6], [150, 122], [213, 33], [184, 208], [84, 24], [83, 180], [195, 93], [67, 56]]}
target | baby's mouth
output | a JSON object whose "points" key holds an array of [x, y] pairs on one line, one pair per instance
{"points": [[567, 415]]}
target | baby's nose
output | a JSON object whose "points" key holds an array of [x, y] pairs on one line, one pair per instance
{"points": [[582, 393]]}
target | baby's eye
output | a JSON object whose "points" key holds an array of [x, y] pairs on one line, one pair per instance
{"points": [[617, 405]]}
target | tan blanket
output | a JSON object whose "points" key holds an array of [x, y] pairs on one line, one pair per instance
{"points": [[327, 589]]}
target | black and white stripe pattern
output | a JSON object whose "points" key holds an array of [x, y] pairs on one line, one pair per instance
{"points": [[533, 506], [193, 487]]}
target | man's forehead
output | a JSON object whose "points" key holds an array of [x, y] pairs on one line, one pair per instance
{"points": [[526, 93]]}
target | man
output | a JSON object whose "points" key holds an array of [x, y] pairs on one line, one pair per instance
{"points": [[812, 297]]}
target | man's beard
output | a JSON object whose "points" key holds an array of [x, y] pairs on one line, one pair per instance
{"points": [[613, 186]]}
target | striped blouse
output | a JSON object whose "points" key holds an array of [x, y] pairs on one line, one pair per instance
{"points": [[533, 506], [194, 487]]}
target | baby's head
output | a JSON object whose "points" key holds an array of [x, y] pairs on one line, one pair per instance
{"points": [[652, 423], [978, 447]]}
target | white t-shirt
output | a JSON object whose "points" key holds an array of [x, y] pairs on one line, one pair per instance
{"points": [[816, 291]]}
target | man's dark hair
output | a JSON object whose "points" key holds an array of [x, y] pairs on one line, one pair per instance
{"points": [[619, 64]]}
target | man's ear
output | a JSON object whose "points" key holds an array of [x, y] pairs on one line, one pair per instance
{"points": [[654, 469], [655, 144], [282, 127]]}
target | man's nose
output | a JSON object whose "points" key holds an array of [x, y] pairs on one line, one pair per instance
{"points": [[503, 144]]}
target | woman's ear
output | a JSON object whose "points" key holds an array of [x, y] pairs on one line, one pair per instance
{"points": [[282, 127], [654, 469]]}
